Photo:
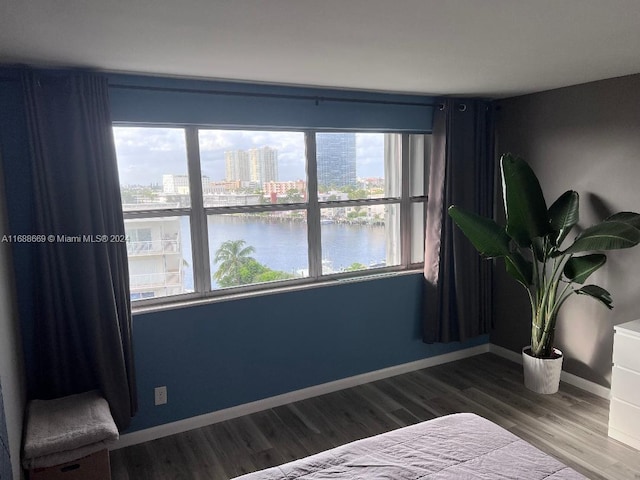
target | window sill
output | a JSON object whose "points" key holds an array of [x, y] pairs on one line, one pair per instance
{"points": [[192, 300]]}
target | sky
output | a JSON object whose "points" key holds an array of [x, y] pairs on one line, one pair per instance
{"points": [[145, 153]]}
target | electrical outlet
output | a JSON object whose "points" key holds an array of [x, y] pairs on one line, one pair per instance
{"points": [[160, 395]]}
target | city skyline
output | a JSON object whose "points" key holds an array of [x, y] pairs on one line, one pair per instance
{"points": [[146, 154]]}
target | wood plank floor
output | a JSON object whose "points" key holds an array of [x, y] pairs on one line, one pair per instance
{"points": [[570, 425]]}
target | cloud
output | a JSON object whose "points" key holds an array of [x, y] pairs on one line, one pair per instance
{"points": [[146, 153], [370, 154], [290, 147]]}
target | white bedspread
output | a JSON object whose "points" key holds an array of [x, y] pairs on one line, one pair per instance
{"points": [[455, 447]]}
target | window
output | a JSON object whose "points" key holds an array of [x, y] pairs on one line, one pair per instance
{"points": [[211, 211], [152, 164]]}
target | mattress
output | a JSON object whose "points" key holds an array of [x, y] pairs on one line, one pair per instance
{"points": [[456, 447]]}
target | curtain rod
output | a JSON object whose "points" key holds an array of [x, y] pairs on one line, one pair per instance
{"points": [[315, 98]]}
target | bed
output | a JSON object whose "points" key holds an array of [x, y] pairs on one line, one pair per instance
{"points": [[454, 447]]}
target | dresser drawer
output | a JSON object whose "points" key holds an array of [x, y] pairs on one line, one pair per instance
{"points": [[625, 385], [626, 351], [624, 418]]}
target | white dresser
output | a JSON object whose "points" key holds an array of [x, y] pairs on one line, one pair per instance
{"points": [[624, 414]]}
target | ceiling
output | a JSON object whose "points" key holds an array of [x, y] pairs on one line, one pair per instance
{"points": [[494, 48]]}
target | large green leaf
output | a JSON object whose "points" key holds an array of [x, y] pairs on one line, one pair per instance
{"points": [[487, 236], [524, 203], [608, 235], [630, 218], [563, 215], [578, 269], [598, 293], [519, 268], [539, 248]]}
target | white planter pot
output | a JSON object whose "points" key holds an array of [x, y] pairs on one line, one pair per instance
{"points": [[542, 375]]}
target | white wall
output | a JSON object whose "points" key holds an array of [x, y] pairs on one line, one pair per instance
{"points": [[12, 376]]}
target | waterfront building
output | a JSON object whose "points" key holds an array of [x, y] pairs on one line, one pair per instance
{"points": [[175, 184], [155, 257], [282, 188], [225, 186], [254, 166], [263, 165], [237, 166], [232, 199], [336, 159], [179, 184]]}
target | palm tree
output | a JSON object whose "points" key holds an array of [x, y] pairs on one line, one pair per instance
{"points": [[231, 256]]}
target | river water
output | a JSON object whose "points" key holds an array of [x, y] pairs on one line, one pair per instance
{"points": [[282, 245]]}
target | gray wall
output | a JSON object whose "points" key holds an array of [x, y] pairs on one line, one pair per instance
{"points": [[12, 382], [585, 138]]}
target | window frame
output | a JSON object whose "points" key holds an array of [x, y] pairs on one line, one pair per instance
{"points": [[198, 214]]}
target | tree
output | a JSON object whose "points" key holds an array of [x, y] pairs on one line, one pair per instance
{"points": [[127, 195], [293, 196], [272, 275], [232, 256], [356, 193], [250, 271], [237, 267], [355, 266]]}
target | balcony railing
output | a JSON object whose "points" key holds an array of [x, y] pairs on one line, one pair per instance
{"points": [[153, 247], [155, 280]]}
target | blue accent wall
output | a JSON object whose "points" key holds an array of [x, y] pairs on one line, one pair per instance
{"points": [[223, 354], [180, 101], [226, 353]]}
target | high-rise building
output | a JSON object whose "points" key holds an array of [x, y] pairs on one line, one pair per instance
{"points": [[257, 165], [336, 159], [263, 163], [237, 166]]}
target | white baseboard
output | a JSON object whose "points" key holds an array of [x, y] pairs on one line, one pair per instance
{"points": [[180, 426], [571, 379], [624, 438]]}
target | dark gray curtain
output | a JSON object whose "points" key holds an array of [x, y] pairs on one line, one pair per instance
{"points": [[457, 287], [6, 470], [82, 328]]}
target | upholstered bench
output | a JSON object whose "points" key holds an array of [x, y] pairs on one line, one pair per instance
{"points": [[67, 438]]}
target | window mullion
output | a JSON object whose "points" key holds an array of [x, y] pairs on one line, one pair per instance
{"points": [[313, 212], [199, 236], [405, 202]]}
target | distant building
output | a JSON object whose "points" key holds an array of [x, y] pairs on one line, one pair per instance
{"points": [[237, 166], [179, 184], [282, 188], [225, 186], [263, 164], [336, 159], [175, 184], [255, 166], [332, 195], [232, 199], [371, 182]]}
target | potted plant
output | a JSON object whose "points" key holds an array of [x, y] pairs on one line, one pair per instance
{"points": [[532, 244]]}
